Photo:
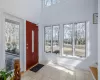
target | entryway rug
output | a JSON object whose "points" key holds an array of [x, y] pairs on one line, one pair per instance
{"points": [[37, 67]]}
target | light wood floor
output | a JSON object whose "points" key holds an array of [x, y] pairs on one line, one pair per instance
{"points": [[55, 72]]}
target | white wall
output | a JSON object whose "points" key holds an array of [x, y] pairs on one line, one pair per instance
{"points": [[25, 9], [66, 12], [99, 40]]}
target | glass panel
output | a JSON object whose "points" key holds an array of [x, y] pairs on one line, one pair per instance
{"points": [[80, 39], [54, 1], [32, 41], [67, 44], [56, 39], [12, 49], [48, 2], [48, 37]]}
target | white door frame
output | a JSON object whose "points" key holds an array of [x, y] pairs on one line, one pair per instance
{"points": [[22, 27]]}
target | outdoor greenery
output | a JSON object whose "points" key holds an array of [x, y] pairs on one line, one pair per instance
{"points": [[12, 38], [4, 75]]}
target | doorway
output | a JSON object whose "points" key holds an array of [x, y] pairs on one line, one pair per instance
{"points": [[14, 41], [31, 44]]}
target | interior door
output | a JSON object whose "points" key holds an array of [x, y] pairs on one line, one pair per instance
{"points": [[31, 44]]}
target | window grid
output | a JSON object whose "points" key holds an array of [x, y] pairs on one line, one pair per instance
{"points": [[73, 39], [51, 37]]}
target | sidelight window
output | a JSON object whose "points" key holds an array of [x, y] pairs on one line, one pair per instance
{"points": [[47, 39]]}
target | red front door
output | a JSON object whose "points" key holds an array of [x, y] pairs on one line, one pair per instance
{"points": [[31, 42]]}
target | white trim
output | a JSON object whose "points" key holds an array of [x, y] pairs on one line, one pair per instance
{"points": [[61, 40], [10, 13], [24, 45], [73, 40]]}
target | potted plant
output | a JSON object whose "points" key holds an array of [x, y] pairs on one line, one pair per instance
{"points": [[4, 75]]}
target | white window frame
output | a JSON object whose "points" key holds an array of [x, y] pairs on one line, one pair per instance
{"points": [[52, 37], [61, 35], [44, 39], [85, 41], [45, 4], [73, 36]]}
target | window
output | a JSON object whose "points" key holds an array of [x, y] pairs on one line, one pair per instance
{"points": [[48, 37], [68, 36], [80, 39], [52, 39], [55, 41], [50, 2], [74, 39]]}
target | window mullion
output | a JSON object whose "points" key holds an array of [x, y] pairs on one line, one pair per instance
{"points": [[52, 39], [85, 40], [61, 39], [73, 36]]}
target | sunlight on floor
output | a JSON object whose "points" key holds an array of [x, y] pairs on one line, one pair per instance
{"points": [[53, 71], [60, 68]]}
